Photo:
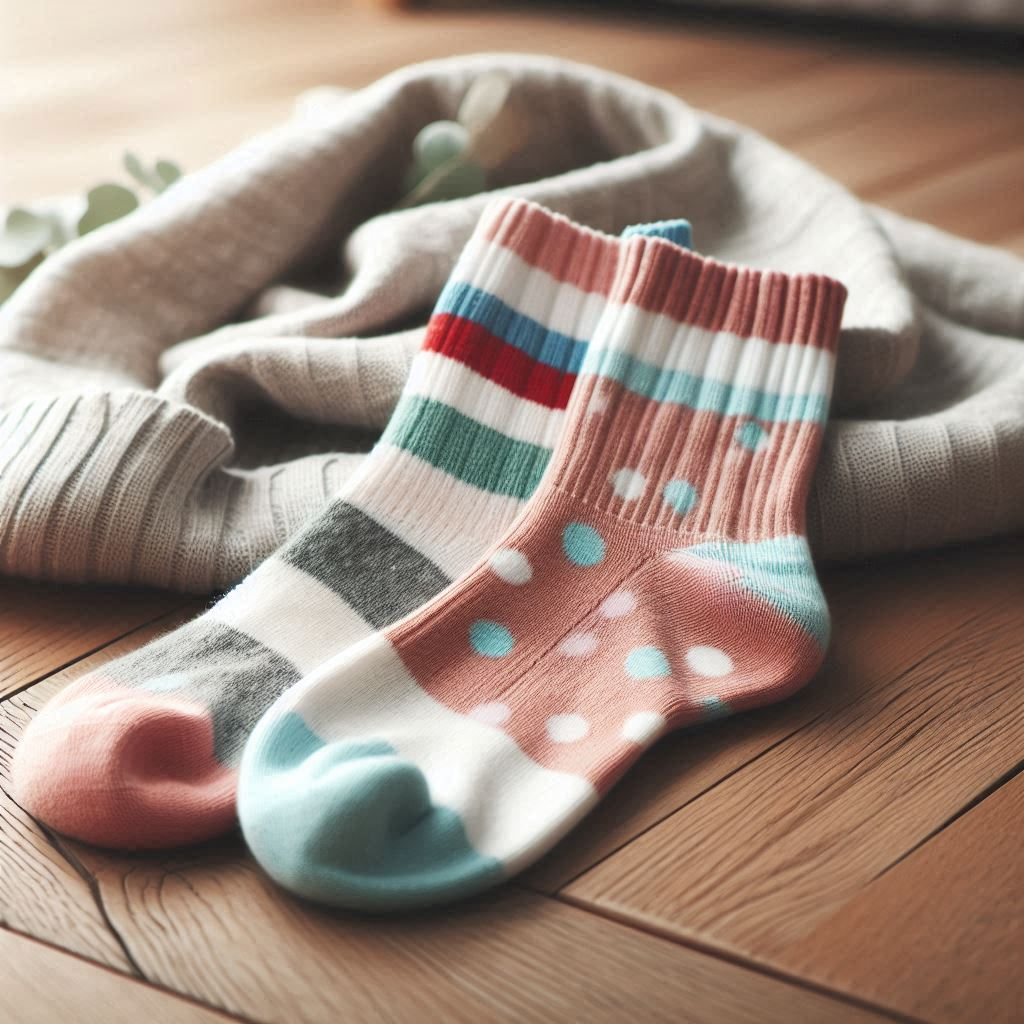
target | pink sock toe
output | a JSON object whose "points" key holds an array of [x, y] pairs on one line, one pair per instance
{"points": [[124, 769]]}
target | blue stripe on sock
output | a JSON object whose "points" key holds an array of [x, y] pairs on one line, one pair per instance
{"points": [[524, 333], [703, 394], [514, 328]]}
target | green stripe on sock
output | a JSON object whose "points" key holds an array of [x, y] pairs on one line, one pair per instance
{"points": [[466, 449]]}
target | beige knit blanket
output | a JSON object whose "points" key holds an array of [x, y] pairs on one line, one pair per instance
{"points": [[170, 412]]}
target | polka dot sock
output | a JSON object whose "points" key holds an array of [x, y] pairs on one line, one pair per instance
{"points": [[658, 577], [144, 752]]}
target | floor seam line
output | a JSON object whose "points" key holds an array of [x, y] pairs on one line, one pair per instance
{"points": [[737, 960]]}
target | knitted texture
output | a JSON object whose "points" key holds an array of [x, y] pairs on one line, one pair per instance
{"points": [[659, 575], [143, 753], [170, 413]]}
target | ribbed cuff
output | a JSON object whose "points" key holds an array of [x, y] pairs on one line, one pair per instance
{"points": [[702, 398]]}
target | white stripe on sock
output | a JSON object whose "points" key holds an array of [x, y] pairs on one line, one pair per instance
{"points": [[435, 376], [450, 522], [292, 613], [649, 337]]}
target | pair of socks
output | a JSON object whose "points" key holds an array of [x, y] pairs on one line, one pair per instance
{"points": [[144, 753], [595, 480]]}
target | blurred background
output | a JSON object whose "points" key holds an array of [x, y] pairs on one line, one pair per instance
{"points": [[917, 104]]}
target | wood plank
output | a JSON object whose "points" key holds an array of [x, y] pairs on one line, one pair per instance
{"points": [[932, 937], [45, 626], [754, 865], [852, 88], [931, 129], [214, 927], [206, 923], [42, 892], [46, 985], [887, 618], [982, 199]]}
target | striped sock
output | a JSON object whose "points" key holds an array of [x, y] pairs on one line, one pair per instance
{"points": [[143, 753], [659, 576]]}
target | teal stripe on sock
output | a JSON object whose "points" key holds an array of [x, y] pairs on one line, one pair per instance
{"points": [[465, 449], [705, 395]]}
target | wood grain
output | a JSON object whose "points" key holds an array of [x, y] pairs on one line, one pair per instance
{"points": [[212, 926], [206, 923], [954, 197], [887, 618], [830, 96], [956, 904], [921, 134], [759, 861], [46, 626], [43, 892], [41, 985]]}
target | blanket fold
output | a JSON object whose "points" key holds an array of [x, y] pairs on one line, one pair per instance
{"points": [[176, 399]]}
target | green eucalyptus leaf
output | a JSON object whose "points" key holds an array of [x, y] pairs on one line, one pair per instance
{"points": [[437, 143], [167, 173], [24, 236], [106, 203], [135, 167]]}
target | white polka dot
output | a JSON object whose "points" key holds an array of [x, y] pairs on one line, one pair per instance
{"points": [[512, 566], [598, 403], [567, 728], [622, 602], [628, 484], [643, 726], [578, 645], [493, 713], [709, 661]]}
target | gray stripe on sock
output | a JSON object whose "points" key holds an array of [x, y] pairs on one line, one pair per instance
{"points": [[225, 670], [380, 576]]}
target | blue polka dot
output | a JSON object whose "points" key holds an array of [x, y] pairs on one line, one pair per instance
{"points": [[713, 707], [681, 495], [582, 544], [490, 639], [647, 663], [751, 435]]}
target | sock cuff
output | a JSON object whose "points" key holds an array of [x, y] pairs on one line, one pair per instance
{"points": [[646, 270]]}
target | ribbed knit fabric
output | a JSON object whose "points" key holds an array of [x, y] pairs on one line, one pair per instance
{"points": [[255, 395], [143, 753], [660, 575]]}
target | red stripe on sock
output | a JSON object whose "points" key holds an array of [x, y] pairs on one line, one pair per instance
{"points": [[507, 366]]}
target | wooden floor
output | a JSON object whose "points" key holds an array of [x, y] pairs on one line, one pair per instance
{"points": [[851, 855]]}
